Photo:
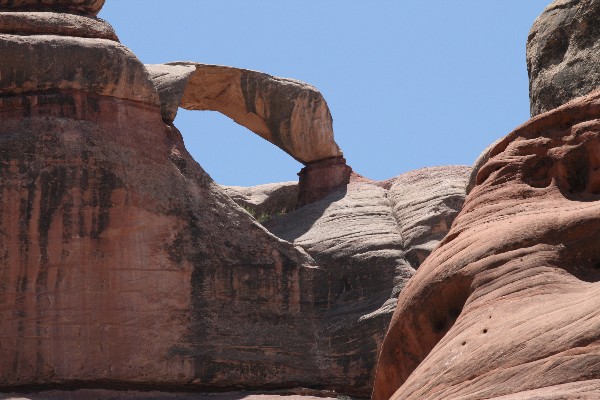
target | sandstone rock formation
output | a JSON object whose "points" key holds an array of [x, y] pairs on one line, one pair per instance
{"points": [[86, 7], [288, 113], [123, 263], [562, 53], [370, 238], [53, 23], [507, 306], [121, 260]]}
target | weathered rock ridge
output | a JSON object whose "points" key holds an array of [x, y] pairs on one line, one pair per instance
{"points": [[507, 306], [562, 53], [123, 263]]}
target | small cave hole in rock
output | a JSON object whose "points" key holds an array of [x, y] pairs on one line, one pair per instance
{"points": [[231, 154], [464, 343], [485, 331]]}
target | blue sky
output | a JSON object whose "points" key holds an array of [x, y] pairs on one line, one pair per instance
{"points": [[410, 84]]}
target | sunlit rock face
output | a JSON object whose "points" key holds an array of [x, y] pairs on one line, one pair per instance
{"points": [[508, 304], [563, 53], [122, 262]]}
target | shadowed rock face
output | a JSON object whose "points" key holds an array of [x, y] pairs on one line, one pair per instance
{"points": [[508, 304], [122, 262], [563, 53]]}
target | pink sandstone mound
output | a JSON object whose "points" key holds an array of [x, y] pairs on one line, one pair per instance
{"points": [[507, 306]]}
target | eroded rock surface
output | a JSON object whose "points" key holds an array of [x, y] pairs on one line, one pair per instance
{"points": [[356, 235], [96, 394], [563, 53], [121, 260], [508, 304]]}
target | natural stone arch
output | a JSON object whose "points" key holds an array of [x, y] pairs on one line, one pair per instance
{"points": [[290, 114]]}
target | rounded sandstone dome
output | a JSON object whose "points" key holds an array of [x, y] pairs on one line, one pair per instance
{"points": [[70, 6]]}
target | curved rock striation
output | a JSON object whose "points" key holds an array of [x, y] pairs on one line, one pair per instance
{"points": [[562, 53], [508, 304], [288, 113], [425, 203]]}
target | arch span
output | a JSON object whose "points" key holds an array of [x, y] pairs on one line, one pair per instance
{"points": [[292, 115]]}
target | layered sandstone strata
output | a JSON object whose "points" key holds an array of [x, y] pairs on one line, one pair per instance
{"points": [[265, 201], [508, 304], [53, 23]]}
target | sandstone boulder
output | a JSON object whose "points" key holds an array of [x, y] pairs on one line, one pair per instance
{"points": [[563, 53], [508, 304]]}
